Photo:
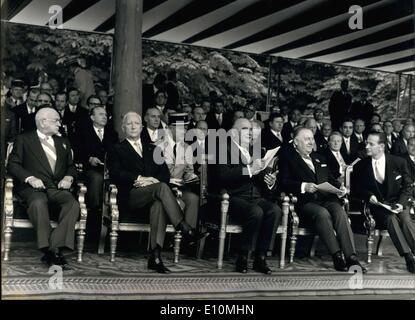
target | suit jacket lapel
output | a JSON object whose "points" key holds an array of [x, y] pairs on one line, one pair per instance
{"points": [[130, 149], [305, 167], [38, 151], [60, 154], [388, 174]]}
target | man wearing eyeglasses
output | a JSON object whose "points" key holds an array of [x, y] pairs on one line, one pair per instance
{"points": [[42, 165]]}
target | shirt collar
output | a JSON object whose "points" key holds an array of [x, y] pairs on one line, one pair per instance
{"points": [[381, 160], [42, 135], [96, 129], [275, 132], [133, 141]]}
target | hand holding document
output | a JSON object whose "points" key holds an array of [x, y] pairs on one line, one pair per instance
{"points": [[393, 209], [269, 156], [329, 188]]}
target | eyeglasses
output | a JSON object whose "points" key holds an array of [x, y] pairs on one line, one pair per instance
{"points": [[94, 104]]}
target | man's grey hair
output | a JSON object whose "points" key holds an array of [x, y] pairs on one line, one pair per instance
{"points": [[128, 114]]}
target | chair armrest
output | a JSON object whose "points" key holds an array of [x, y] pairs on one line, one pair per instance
{"points": [[113, 190], [369, 222], [82, 205], [8, 198], [294, 219]]}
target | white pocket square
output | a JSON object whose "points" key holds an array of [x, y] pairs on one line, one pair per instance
{"points": [[398, 177], [323, 165]]}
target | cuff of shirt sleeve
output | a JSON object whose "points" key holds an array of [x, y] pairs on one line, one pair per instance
{"points": [[303, 187]]}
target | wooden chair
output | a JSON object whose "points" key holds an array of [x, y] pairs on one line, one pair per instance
{"points": [[116, 221], [225, 227], [15, 216]]}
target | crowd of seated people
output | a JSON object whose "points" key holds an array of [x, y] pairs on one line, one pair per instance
{"points": [[313, 149]]}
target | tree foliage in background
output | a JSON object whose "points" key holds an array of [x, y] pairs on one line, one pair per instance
{"points": [[233, 75], [31, 50], [307, 84]]}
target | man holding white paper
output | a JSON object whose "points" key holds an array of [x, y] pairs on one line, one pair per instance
{"points": [[383, 180], [300, 172]]}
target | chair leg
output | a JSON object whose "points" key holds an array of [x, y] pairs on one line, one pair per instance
{"points": [[229, 245], [81, 241], [314, 246], [104, 231], [370, 240], [379, 248], [7, 242], [201, 246], [222, 230], [102, 238], [293, 243], [177, 240], [285, 212], [113, 241]]}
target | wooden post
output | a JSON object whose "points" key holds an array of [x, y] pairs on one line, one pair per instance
{"points": [[127, 72], [398, 95]]}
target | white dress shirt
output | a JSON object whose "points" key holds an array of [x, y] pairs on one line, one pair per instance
{"points": [[359, 137], [347, 143], [137, 146], [97, 132], [380, 165], [153, 134], [72, 108], [277, 134]]}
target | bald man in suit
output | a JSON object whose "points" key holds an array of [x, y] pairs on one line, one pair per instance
{"points": [[43, 166]]}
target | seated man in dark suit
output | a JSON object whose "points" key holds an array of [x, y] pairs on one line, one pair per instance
{"points": [[216, 119], [288, 128], [10, 128], [322, 140], [42, 164], [241, 177], [271, 136], [410, 158], [359, 131], [25, 112], [399, 148], [199, 144], [350, 146], [97, 140], [300, 171], [390, 138], [179, 159], [153, 131], [141, 175], [384, 178], [335, 160]]}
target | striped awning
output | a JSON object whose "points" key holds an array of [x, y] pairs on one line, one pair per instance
{"points": [[316, 30]]}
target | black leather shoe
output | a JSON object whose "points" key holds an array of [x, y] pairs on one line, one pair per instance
{"points": [[260, 265], [241, 264], [61, 261], [157, 265], [353, 261], [193, 236], [410, 262], [339, 263], [48, 259]]}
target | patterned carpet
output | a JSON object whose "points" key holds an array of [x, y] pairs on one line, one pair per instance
{"points": [[24, 277]]}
